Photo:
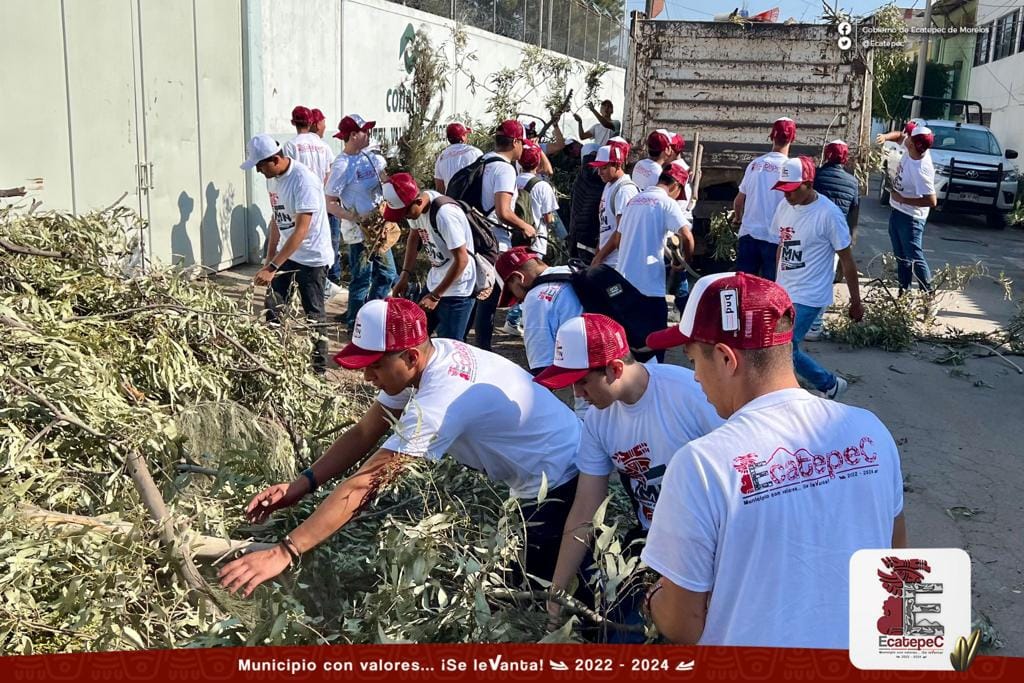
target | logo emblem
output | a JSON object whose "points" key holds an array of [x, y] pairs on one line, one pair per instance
{"points": [[971, 174], [403, 48]]}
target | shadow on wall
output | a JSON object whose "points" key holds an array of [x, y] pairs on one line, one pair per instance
{"points": [[211, 229], [182, 251], [257, 232]]}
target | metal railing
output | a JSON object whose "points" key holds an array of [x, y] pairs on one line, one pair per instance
{"points": [[572, 27]]}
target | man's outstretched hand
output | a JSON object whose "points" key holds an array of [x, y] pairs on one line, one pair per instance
{"points": [[273, 498], [249, 571]]}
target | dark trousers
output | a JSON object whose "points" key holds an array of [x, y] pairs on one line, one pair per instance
{"points": [[451, 317], [309, 281], [757, 257], [545, 523], [484, 319], [649, 315]]}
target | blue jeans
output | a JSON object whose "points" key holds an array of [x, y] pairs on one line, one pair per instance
{"points": [[682, 293], [515, 314], [334, 274], [451, 317], [756, 257], [372, 278], [805, 366], [907, 236]]}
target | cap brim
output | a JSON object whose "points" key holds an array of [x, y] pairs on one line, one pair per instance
{"points": [[667, 339], [340, 135], [507, 298], [368, 126], [600, 164], [394, 214], [354, 358], [248, 164], [554, 377], [786, 187]]}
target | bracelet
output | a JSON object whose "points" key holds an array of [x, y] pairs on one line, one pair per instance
{"points": [[293, 550], [311, 478], [405, 270], [433, 297], [272, 267]]}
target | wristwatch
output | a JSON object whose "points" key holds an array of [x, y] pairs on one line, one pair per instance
{"points": [[272, 267]]}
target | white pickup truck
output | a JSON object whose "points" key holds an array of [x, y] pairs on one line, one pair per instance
{"points": [[973, 174]]}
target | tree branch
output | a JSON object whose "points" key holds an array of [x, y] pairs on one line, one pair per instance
{"points": [[15, 248]]}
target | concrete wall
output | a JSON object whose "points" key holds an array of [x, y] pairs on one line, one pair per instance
{"points": [[999, 85]]}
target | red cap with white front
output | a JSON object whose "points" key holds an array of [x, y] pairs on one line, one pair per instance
{"points": [[608, 154], [658, 140], [622, 143], [582, 344], [351, 124], [679, 171], [837, 151], [923, 137], [383, 326], [678, 143], [400, 191], [509, 262], [795, 172], [783, 130], [736, 309]]}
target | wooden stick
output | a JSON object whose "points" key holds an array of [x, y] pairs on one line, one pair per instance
{"points": [[1008, 361], [14, 248]]}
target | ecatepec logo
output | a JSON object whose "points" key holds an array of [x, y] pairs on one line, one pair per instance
{"points": [[908, 607]]}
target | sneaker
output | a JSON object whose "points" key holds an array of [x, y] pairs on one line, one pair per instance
{"points": [[332, 290], [511, 329], [838, 390], [815, 333]]}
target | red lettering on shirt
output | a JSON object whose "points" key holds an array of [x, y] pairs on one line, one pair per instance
{"points": [[463, 363], [785, 468]]}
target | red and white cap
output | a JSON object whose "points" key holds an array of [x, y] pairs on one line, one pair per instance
{"points": [[530, 158], [783, 130], [301, 116], [837, 151], [582, 344], [509, 262], [923, 137], [908, 129], [622, 143], [658, 140], [795, 172], [511, 128], [400, 191], [351, 124], [678, 143], [456, 132], [679, 171], [259, 148], [736, 309], [609, 154], [383, 326]]}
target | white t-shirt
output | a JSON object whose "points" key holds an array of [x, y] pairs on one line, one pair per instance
{"points": [[296, 191], [355, 179], [488, 414], [646, 173], [613, 203], [545, 308], [312, 151], [638, 440], [761, 200], [452, 232], [684, 204], [810, 235], [453, 159], [542, 202], [648, 218], [602, 135], [915, 178], [499, 176], [765, 512]]}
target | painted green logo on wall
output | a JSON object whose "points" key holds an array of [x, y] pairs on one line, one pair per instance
{"points": [[403, 48]]}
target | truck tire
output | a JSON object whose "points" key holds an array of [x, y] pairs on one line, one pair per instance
{"points": [[996, 220], [883, 192]]}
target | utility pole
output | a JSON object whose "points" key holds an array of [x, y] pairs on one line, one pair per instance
{"points": [[922, 60], [649, 9]]}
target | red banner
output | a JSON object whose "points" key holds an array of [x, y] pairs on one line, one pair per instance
{"points": [[478, 662]]}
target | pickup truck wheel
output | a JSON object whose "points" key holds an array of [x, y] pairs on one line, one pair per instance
{"points": [[883, 192], [996, 220]]}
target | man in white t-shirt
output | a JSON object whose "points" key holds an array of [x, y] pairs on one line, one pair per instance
{"points": [[660, 152], [651, 217], [640, 416], [913, 194], [299, 248], [546, 297], [755, 204], [605, 128], [756, 522], [307, 146], [812, 231], [619, 189], [354, 192], [498, 195], [455, 157], [448, 242], [543, 202], [442, 397]]}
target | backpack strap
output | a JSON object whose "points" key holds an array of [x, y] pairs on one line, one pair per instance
{"points": [[615, 192], [550, 277], [531, 183], [435, 206]]}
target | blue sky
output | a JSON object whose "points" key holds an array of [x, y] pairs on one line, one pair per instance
{"points": [[802, 10]]}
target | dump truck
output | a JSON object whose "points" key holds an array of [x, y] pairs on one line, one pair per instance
{"points": [[722, 84]]}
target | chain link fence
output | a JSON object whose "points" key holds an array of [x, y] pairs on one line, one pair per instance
{"points": [[572, 27]]}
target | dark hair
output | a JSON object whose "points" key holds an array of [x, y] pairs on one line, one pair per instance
{"points": [[607, 103], [503, 143], [667, 178], [765, 361]]}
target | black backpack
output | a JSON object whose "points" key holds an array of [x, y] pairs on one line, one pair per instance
{"points": [[467, 185], [602, 289], [485, 245]]}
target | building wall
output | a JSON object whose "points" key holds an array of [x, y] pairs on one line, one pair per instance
{"points": [[999, 85]]}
